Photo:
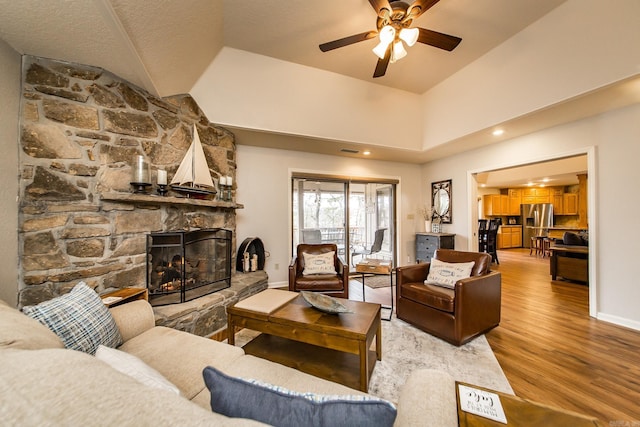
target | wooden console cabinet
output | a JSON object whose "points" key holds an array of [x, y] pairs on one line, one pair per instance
{"points": [[570, 262], [427, 243]]}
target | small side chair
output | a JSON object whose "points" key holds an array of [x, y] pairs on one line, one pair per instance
{"points": [[335, 284]]}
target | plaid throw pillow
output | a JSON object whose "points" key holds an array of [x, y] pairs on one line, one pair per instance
{"points": [[79, 318]]}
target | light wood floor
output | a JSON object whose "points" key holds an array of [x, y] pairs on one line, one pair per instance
{"points": [[551, 350]]}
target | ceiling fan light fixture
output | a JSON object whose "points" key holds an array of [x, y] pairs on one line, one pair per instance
{"points": [[380, 49], [398, 52], [409, 35], [387, 34]]}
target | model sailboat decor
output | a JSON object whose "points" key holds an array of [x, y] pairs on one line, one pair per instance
{"points": [[193, 177]]}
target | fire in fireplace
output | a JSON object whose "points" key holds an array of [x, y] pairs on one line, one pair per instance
{"points": [[184, 265]]}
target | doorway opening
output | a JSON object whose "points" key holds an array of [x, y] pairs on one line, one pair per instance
{"points": [[541, 173]]}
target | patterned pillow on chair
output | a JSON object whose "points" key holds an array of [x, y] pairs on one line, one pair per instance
{"points": [[446, 274], [319, 264]]}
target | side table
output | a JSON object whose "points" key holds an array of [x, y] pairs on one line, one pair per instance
{"points": [[381, 267], [123, 296], [522, 412]]}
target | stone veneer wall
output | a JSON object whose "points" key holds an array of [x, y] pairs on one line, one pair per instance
{"points": [[80, 130]]}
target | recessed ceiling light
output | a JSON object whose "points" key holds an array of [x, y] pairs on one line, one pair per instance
{"points": [[498, 132], [366, 153]]}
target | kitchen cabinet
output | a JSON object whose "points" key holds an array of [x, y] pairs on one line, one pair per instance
{"points": [[535, 195], [564, 203], [427, 243], [515, 200], [570, 204], [504, 204], [510, 236], [557, 200], [495, 204]]}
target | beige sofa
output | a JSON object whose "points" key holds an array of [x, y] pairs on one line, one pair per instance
{"points": [[41, 383]]}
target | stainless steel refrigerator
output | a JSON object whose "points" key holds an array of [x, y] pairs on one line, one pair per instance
{"points": [[536, 219]]}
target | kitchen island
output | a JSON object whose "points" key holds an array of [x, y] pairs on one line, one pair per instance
{"points": [[558, 232]]}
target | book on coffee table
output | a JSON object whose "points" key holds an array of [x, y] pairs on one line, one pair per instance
{"points": [[267, 301]]}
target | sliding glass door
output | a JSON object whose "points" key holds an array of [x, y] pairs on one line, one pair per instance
{"points": [[325, 207], [319, 213]]}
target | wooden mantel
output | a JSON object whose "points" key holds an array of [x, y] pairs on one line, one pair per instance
{"points": [[152, 199]]}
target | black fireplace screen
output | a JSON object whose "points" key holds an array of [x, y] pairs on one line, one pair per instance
{"points": [[184, 265]]}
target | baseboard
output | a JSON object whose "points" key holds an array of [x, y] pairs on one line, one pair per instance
{"points": [[278, 285], [620, 321]]}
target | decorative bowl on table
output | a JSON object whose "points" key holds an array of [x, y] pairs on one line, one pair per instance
{"points": [[324, 303]]}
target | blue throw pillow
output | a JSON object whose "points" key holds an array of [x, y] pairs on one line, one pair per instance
{"points": [[277, 406], [79, 318]]}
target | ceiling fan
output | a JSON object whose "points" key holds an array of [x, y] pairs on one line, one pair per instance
{"points": [[394, 27]]}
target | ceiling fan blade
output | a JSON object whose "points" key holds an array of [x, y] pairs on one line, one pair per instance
{"points": [[381, 66], [346, 41], [378, 5], [419, 7], [439, 40]]}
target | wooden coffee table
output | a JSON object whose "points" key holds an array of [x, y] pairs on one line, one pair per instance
{"points": [[337, 347]]}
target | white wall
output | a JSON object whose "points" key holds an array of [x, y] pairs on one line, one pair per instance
{"points": [[579, 46], [264, 177], [257, 92], [9, 113], [613, 222]]}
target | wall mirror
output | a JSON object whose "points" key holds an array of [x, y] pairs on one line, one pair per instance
{"points": [[441, 200]]}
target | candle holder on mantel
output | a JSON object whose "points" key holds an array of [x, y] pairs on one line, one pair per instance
{"points": [[140, 187], [140, 175], [162, 189], [162, 182]]}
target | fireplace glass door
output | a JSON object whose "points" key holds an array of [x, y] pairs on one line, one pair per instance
{"points": [[185, 265]]}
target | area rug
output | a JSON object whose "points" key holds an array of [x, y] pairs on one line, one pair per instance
{"points": [[405, 349], [375, 282]]}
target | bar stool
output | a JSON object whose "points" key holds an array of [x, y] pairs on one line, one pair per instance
{"points": [[535, 244], [546, 245]]}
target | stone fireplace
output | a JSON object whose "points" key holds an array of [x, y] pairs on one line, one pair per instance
{"points": [[81, 129]]}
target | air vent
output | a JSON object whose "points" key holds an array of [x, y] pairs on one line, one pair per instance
{"points": [[349, 150]]}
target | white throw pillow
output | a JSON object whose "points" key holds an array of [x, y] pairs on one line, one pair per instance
{"points": [[319, 264], [446, 274], [130, 365]]}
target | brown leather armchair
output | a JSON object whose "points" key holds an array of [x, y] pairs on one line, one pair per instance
{"points": [[456, 315], [336, 285]]}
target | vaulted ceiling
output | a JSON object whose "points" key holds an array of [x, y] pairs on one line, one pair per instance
{"points": [[165, 46]]}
